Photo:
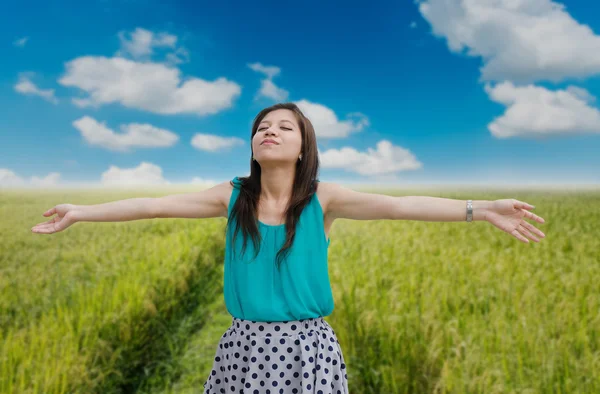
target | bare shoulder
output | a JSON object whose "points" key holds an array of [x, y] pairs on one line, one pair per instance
{"points": [[225, 189], [326, 192], [345, 203]]}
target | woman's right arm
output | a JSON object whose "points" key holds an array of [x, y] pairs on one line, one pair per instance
{"points": [[203, 204], [115, 211]]}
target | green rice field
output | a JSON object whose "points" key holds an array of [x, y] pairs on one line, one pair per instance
{"points": [[420, 307]]}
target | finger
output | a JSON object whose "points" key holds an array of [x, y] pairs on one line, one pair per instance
{"points": [[533, 216], [49, 212], [44, 226], [531, 227], [52, 220], [43, 230], [523, 205], [518, 235], [526, 232], [46, 222], [49, 226]]}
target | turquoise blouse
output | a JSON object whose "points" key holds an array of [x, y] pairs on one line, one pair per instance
{"points": [[254, 289]]}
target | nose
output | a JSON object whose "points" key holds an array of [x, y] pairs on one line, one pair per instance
{"points": [[269, 133]]}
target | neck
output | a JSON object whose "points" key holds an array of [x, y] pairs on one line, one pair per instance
{"points": [[276, 184]]}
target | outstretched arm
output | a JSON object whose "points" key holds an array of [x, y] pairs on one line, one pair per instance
{"points": [[437, 209], [202, 204], [506, 214]]}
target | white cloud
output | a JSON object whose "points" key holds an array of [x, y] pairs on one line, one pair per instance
{"points": [[133, 135], [272, 91], [181, 55], [144, 174], [536, 111], [386, 159], [146, 86], [268, 88], [140, 44], [269, 71], [21, 42], [25, 86], [214, 143], [327, 124], [49, 180], [204, 182], [518, 40], [9, 178]]}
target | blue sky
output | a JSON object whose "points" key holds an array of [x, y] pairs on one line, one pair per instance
{"points": [[428, 92]]}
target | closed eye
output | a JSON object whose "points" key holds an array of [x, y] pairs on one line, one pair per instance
{"points": [[284, 128]]}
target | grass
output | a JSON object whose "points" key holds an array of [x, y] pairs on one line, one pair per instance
{"points": [[420, 307]]}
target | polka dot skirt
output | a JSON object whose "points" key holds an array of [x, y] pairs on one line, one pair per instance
{"points": [[295, 356]]}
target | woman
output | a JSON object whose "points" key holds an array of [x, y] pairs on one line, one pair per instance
{"points": [[277, 287]]}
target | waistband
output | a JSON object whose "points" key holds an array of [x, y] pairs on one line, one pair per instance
{"points": [[279, 328]]}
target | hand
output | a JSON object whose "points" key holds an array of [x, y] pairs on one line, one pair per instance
{"points": [[508, 216], [64, 218]]}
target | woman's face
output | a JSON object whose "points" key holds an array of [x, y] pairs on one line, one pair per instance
{"points": [[281, 126]]}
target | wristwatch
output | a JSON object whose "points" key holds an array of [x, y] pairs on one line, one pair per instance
{"points": [[469, 210]]}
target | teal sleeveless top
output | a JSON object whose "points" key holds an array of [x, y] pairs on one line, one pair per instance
{"points": [[254, 289]]}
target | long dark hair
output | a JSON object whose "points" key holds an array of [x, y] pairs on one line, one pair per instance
{"points": [[305, 185]]}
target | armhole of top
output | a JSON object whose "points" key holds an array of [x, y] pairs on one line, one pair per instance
{"points": [[234, 193]]}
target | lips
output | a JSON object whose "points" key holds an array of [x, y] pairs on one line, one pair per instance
{"points": [[269, 142]]}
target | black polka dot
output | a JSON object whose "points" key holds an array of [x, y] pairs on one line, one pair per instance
{"points": [[261, 359]]}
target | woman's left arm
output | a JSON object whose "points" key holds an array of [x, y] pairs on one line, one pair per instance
{"points": [[507, 214]]}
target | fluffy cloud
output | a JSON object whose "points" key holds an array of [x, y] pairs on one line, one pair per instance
{"points": [[21, 42], [386, 159], [518, 40], [203, 182], [148, 86], [140, 44], [49, 180], [25, 86], [535, 111], [268, 89], [144, 174], [214, 143], [9, 178], [327, 124], [133, 135]]}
